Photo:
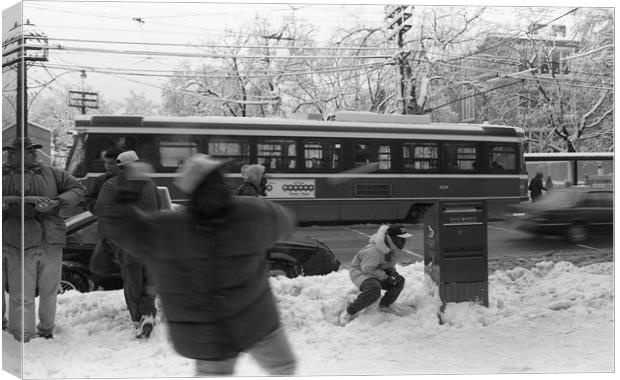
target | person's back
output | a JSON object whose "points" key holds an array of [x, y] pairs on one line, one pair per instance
{"points": [[227, 255], [211, 272]]}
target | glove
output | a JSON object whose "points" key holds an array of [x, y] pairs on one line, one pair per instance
{"points": [[394, 278]]}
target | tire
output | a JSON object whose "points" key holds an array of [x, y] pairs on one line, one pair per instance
{"points": [[577, 233], [284, 268], [72, 280]]}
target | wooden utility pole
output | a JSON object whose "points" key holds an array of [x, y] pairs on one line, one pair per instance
{"points": [[396, 17], [23, 44]]}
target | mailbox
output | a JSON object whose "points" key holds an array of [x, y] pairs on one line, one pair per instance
{"points": [[455, 250]]}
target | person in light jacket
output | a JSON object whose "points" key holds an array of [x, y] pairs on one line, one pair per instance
{"points": [[210, 270], [372, 269]]}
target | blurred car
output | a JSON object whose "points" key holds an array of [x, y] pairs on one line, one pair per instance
{"points": [[575, 212], [291, 257]]}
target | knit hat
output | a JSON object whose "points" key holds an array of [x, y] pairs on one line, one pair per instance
{"points": [[126, 158], [194, 170]]}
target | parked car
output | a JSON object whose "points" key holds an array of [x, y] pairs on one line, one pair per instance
{"points": [[575, 212], [291, 257]]}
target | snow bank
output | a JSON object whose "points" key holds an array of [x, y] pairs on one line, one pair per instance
{"points": [[548, 319]]}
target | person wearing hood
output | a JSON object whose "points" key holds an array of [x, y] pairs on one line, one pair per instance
{"points": [[211, 273], [254, 181], [372, 269], [536, 187]]}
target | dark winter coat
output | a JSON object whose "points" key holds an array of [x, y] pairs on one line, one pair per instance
{"points": [[93, 190], [39, 228], [536, 187], [212, 275], [253, 175], [115, 196]]}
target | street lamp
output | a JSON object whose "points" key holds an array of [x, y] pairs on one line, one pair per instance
{"points": [[24, 43]]}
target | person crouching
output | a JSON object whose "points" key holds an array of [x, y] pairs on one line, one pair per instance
{"points": [[372, 269]]}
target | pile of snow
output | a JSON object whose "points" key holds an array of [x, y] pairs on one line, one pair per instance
{"points": [[555, 317]]}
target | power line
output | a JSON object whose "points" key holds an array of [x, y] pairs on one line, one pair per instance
{"points": [[149, 73], [475, 94], [212, 55], [275, 47]]}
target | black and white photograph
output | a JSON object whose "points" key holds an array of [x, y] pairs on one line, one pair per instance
{"points": [[307, 189]]}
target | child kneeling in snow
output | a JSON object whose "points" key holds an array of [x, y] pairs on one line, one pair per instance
{"points": [[372, 269]]}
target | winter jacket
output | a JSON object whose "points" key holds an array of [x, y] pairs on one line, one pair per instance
{"points": [[212, 275], [372, 260], [114, 199], [536, 187], [252, 175], [39, 228], [90, 197]]}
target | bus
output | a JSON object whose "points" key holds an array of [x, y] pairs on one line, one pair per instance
{"points": [[357, 167]]}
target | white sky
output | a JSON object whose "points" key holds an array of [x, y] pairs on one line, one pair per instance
{"points": [[551, 319], [178, 22]]}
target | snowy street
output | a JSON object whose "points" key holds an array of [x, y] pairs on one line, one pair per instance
{"points": [[554, 317]]}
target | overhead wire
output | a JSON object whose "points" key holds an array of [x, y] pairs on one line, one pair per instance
{"points": [[274, 47], [179, 74]]}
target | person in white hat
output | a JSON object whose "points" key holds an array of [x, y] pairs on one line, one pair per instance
{"points": [[373, 269], [116, 195], [211, 272]]}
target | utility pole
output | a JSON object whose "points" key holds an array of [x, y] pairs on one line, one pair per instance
{"points": [[23, 44], [83, 99], [396, 17]]}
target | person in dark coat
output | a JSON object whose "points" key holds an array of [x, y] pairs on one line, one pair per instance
{"points": [[210, 270], [254, 181], [117, 194], [111, 169], [33, 193], [536, 187], [102, 262]]}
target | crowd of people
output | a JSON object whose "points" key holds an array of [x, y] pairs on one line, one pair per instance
{"points": [[214, 291]]}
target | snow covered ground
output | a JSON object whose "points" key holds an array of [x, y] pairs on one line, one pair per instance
{"points": [[553, 318]]}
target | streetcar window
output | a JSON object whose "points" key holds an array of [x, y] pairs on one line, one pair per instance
{"points": [[460, 157], [420, 156], [77, 161], [277, 154], [366, 153], [235, 151], [502, 157], [173, 151], [96, 144], [322, 155]]}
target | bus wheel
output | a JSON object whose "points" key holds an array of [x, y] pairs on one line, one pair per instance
{"points": [[284, 268]]}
